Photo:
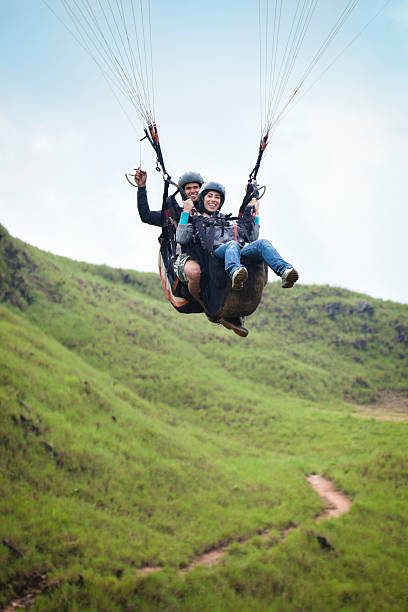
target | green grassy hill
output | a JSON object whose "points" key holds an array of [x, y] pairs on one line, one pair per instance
{"points": [[132, 436]]}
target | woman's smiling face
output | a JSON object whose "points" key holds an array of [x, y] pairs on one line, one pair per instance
{"points": [[212, 201]]}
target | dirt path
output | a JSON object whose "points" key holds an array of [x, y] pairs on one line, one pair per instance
{"points": [[207, 559], [335, 502]]}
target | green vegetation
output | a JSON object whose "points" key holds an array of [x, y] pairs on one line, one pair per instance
{"points": [[132, 436]]}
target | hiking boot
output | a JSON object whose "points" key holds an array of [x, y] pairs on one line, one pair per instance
{"points": [[239, 277], [236, 326], [289, 278]]}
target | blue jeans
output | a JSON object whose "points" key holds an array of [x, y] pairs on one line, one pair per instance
{"points": [[257, 251]]}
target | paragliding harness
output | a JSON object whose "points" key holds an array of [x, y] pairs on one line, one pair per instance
{"points": [[204, 228], [176, 291], [214, 283]]}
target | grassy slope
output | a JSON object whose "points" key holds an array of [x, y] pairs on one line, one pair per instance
{"points": [[132, 435]]}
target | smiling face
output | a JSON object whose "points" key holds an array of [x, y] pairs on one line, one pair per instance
{"points": [[192, 190], [212, 201]]}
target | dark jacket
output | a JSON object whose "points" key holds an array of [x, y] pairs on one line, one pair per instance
{"points": [[152, 217]]}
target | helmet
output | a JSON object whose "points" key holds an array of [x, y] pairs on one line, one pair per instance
{"points": [[190, 177], [210, 186]]}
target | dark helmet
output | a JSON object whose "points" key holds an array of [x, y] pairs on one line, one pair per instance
{"points": [[190, 177], [210, 186]]}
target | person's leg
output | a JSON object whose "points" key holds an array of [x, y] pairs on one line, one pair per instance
{"points": [[262, 250], [230, 253], [192, 274]]}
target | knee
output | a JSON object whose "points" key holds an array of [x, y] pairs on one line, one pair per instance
{"points": [[232, 246], [263, 242], [192, 270]]}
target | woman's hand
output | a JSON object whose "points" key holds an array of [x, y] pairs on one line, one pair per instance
{"points": [[188, 205], [140, 177], [254, 203]]}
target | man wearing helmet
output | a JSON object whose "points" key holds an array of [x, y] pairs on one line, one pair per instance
{"points": [[186, 268], [228, 241]]}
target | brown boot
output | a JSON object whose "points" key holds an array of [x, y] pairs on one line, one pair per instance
{"points": [[289, 278], [236, 326], [238, 279]]}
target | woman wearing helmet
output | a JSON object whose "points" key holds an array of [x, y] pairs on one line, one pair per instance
{"points": [[230, 239]]}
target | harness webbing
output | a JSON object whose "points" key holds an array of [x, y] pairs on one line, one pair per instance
{"points": [[251, 190], [152, 136], [165, 207], [262, 146], [204, 228]]}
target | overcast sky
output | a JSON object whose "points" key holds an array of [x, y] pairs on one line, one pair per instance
{"points": [[335, 169]]}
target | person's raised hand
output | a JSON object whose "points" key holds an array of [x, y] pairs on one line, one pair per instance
{"points": [[255, 204], [188, 205], [140, 177]]}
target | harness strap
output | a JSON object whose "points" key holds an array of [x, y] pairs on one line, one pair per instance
{"points": [[262, 146], [152, 136], [168, 216], [165, 207], [205, 229], [251, 189], [204, 237]]}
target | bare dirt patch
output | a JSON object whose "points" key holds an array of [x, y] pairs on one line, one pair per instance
{"points": [[35, 586], [390, 406], [335, 502], [207, 559]]}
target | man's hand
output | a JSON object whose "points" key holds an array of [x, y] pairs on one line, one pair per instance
{"points": [[140, 177], [188, 205]]}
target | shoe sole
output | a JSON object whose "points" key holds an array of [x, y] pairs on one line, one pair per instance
{"points": [[291, 279], [239, 279], [240, 331]]}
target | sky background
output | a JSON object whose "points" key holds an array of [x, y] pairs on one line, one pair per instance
{"points": [[335, 169]]}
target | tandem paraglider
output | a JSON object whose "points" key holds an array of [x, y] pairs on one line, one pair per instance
{"points": [[208, 261]]}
